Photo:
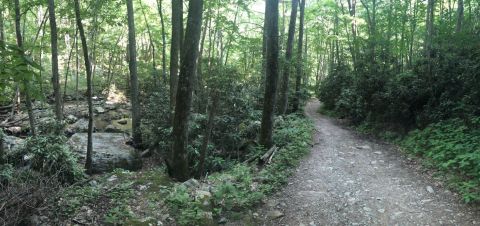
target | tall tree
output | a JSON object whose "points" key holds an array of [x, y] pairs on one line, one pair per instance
{"points": [[26, 83], [55, 73], [132, 66], [178, 162], [88, 68], [175, 48], [271, 75], [299, 63], [164, 42], [459, 16], [2, 27], [283, 102], [429, 34]]}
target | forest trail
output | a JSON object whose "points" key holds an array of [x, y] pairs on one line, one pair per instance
{"points": [[349, 180]]}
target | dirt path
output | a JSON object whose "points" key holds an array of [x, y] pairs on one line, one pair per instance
{"points": [[348, 180]]}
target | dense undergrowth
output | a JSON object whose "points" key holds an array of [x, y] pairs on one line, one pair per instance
{"points": [[452, 145], [245, 185], [139, 198], [432, 114]]}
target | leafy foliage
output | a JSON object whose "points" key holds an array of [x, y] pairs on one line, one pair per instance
{"points": [[242, 186], [452, 145]]}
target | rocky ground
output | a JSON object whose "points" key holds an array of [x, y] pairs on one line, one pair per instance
{"points": [[350, 180], [112, 126]]}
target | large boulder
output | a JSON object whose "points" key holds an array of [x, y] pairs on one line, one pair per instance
{"points": [[110, 151], [79, 126], [11, 144]]}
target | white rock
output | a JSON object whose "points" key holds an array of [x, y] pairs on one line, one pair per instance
{"points": [[112, 178], [363, 147], [99, 110], [430, 189], [274, 214]]}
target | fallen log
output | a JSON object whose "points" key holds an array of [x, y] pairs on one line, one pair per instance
{"points": [[265, 157], [271, 156]]}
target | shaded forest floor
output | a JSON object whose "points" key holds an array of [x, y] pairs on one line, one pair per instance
{"points": [[351, 180]]}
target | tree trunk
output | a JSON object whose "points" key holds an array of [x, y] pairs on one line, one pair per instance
{"points": [[352, 9], [271, 76], [208, 132], [132, 66], [55, 73], [296, 99], [88, 161], [2, 28], [178, 163], [28, 101], [164, 42], [283, 101], [68, 68], [175, 48], [459, 16], [429, 35], [152, 45]]}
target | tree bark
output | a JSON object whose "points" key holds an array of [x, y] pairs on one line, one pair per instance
{"points": [[175, 48], [55, 73], [208, 131], [299, 65], [271, 76], [68, 68], [28, 101], [2, 28], [459, 16], [178, 162], [283, 101], [132, 66], [88, 161], [152, 45], [164, 42], [429, 35]]}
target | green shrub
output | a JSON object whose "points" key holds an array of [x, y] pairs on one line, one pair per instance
{"points": [[241, 186], [49, 155], [452, 145]]}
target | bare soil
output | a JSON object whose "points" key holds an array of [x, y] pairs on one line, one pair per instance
{"points": [[351, 180]]}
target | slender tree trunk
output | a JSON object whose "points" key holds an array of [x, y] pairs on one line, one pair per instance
{"points": [[264, 53], [429, 34], [208, 132], [55, 73], [296, 99], [178, 162], [413, 28], [26, 83], [68, 68], [227, 46], [132, 65], [2, 28], [77, 65], [352, 9], [152, 45], [175, 48], [283, 101], [271, 29], [164, 42], [459, 16], [88, 161]]}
